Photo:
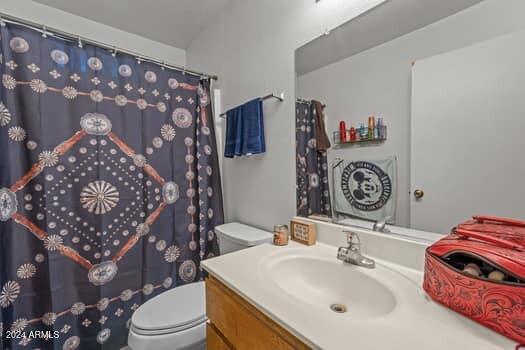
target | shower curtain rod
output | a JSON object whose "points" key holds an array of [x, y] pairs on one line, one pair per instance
{"points": [[60, 34], [300, 100]]}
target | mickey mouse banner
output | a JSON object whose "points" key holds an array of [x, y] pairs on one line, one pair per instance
{"points": [[366, 189]]}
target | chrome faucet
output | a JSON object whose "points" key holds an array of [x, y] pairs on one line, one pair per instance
{"points": [[380, 226], [352, 253]]}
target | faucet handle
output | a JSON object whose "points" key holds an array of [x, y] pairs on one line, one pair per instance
{"points": [[350, 235]]}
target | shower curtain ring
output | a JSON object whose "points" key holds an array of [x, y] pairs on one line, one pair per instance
{"points": [[80, 43], [44, 32], [163, 65], [2, 23], [139, 60], [114, 53]]}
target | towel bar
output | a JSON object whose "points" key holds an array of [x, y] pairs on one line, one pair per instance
{"points": [[280, 97]]}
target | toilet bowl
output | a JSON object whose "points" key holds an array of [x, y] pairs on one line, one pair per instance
{"points": [[176, 319]]}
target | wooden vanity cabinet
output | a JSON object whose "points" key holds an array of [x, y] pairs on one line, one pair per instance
{"points": [[236, 324]]}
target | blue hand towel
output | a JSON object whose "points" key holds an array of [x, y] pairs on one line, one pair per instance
{"points": [[245, 130], [233, 143]]}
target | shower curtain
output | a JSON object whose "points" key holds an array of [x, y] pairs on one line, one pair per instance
{"points": [[313, 193], [109, 189]]}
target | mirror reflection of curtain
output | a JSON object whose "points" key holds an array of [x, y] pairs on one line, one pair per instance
{"points": [[313, 193], [109, 188]]}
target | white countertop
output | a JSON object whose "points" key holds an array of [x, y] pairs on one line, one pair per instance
{"points": [[416, 322]]}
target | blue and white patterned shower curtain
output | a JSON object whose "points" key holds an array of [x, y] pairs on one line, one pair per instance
{"points": [[313, 190], [109, 189]]}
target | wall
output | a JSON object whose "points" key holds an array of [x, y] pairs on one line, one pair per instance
{"points": [[58, 19], [251, 45], [377, 81]]}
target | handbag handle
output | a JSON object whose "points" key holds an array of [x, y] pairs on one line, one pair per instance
{"points": [[511, 222], [488, 238]]}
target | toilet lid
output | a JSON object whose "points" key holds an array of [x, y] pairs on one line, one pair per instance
{"points": [[244, 234], [180, 307]]}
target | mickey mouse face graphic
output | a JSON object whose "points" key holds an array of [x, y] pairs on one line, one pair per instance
{"points": [[366, 186]]}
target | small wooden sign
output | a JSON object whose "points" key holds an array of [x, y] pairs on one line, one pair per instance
{"points": [[303, 232]]}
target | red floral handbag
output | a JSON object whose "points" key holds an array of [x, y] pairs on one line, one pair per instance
{"points": [[497, 247]]}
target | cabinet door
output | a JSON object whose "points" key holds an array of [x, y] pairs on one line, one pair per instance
{"points": [[468, 134], [243, 325], [215, 340]]}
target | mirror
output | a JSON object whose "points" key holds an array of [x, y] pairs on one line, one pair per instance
{"points": [[423, 108]]}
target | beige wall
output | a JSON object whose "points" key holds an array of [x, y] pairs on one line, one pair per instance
{"points": [[251, 47]]}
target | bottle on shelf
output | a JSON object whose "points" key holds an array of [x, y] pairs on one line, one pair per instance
{"points": [[342, 131], [353, 134], [370, 128], [362, 132]]}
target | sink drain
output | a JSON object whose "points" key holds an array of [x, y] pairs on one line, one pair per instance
{"points": [[339, 308]]}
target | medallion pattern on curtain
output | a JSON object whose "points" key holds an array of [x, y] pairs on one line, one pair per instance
{"points": [[313, 193], [109, 189]]}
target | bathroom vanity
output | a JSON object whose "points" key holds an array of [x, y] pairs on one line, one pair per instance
{"points": [[299, 297]]}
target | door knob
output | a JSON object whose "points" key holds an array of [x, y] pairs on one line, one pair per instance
{"points": [[418, 194]]}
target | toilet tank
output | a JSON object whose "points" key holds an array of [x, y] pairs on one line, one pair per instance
{"points": [[236, 236]]}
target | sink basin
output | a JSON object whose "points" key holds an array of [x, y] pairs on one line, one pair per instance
{"points": [[323, 283]]}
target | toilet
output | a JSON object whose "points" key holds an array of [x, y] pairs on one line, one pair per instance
{"points": [[176, 319]]}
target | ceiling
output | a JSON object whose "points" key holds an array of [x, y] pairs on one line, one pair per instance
{"points": [[172, 22], [388, 21]]}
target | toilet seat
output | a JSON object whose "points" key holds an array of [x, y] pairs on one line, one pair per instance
{"points": [[192, 338], [170, 330], [173, 311]]}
